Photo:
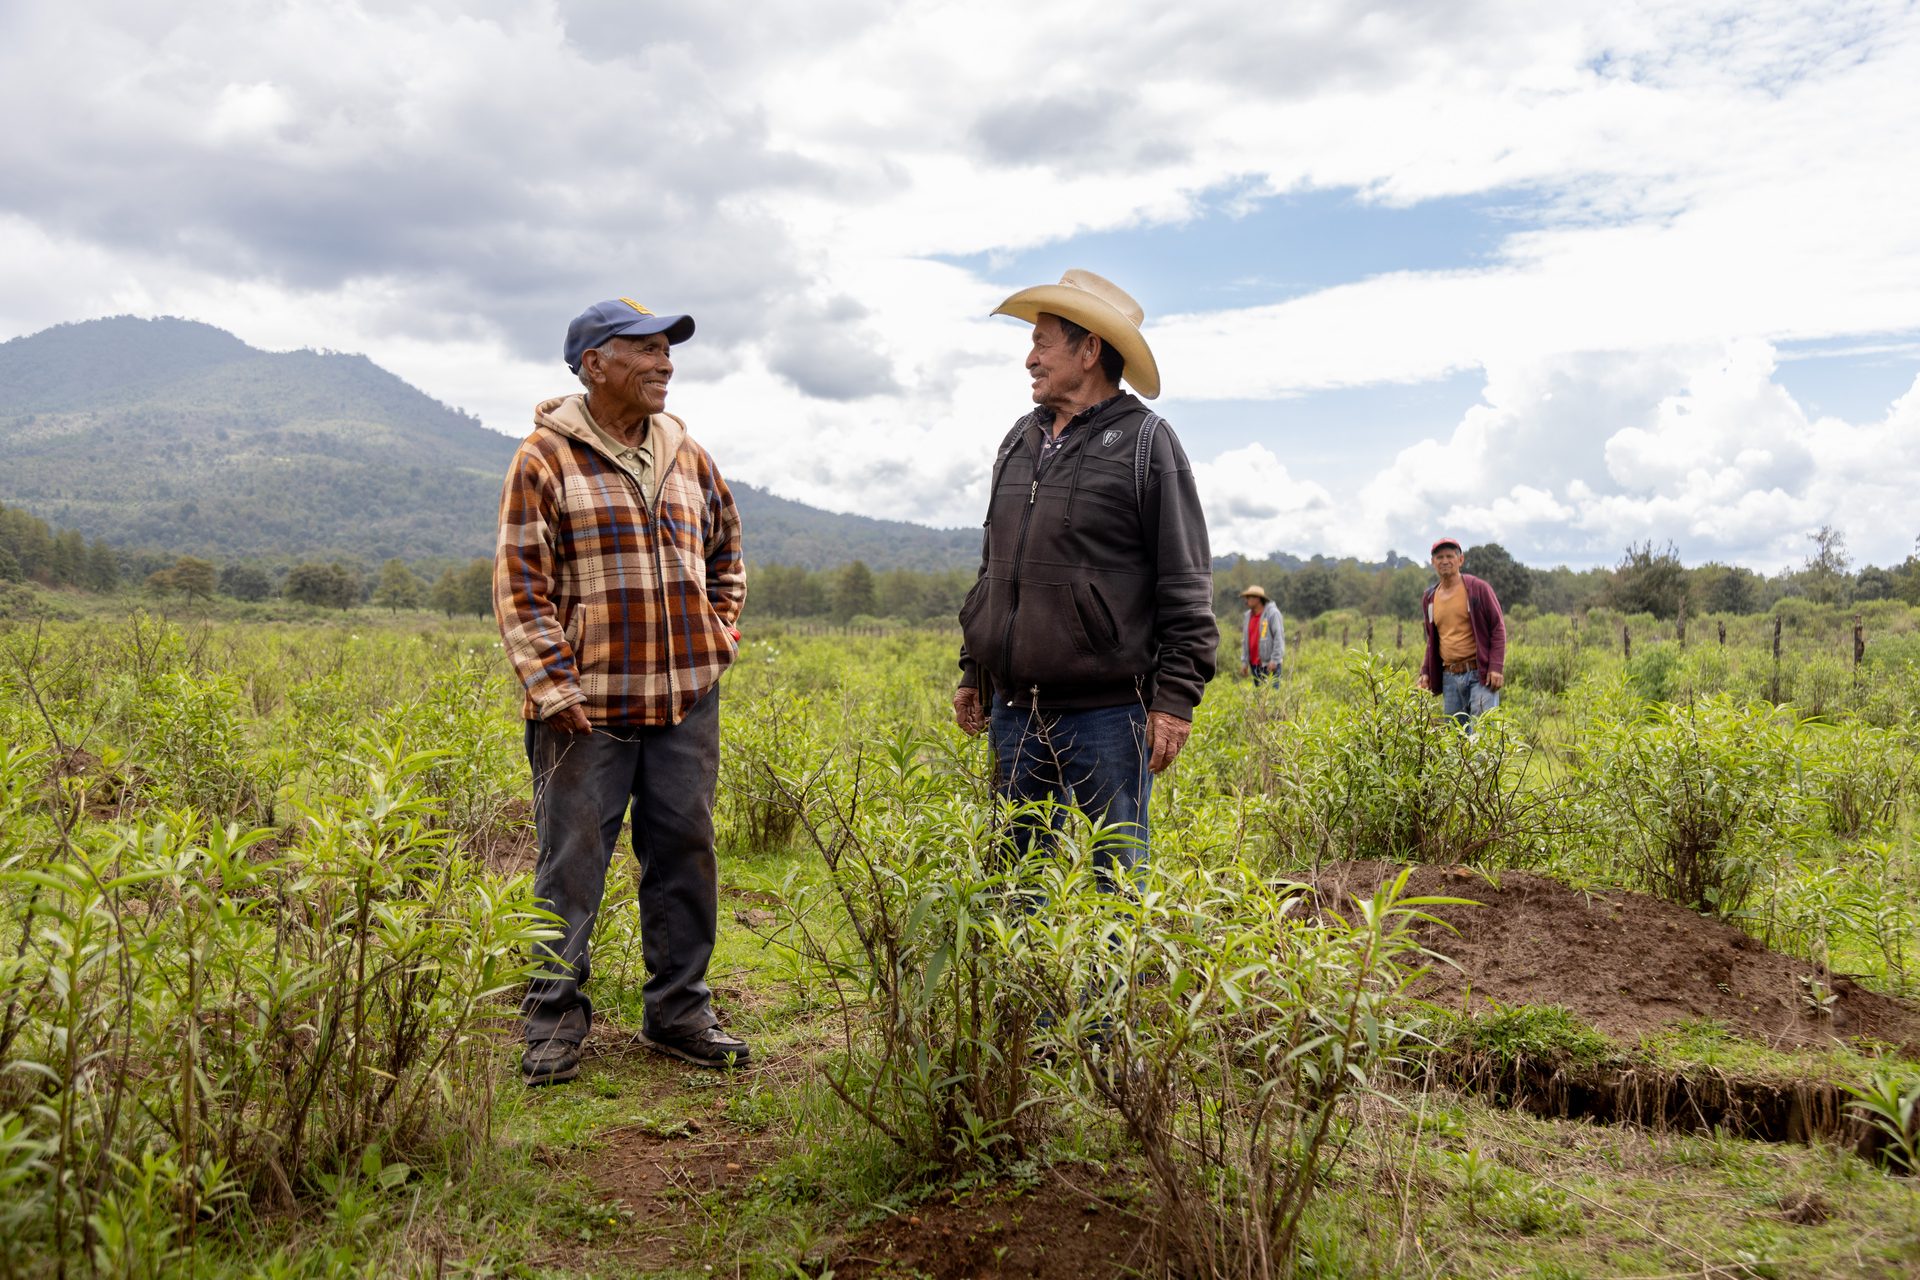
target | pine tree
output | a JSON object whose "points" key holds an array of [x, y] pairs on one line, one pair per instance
{"points": [[853, 592], [103, 567]]}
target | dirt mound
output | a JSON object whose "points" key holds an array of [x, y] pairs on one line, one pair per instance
{"points": [[1056, 1229], [1625, 962]]}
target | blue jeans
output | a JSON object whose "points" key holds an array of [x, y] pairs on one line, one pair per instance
{"points": [[1263, 672], [583, 786], [1463, 696], [1094, 759]]}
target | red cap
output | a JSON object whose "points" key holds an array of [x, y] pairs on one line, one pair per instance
{"points": [[1444, 542]]}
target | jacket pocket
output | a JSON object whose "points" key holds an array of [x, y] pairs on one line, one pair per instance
{"points": [[1096, 618], [981, 627], [976, 594], [584, 639], [1041, 653]]}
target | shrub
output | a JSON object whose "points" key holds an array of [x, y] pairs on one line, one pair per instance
{"points": [[1227, 1022], [1381, 775], [1696, 798], [921, 941], [198, 1020]]}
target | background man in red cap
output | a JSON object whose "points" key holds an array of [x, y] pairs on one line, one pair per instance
{"points": [[1466, 638], [617, 583], [1089, 635]]}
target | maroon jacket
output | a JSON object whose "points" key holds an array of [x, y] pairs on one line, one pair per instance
{"points": [[1489, 630]]}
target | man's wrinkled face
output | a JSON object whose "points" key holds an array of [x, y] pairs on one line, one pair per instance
{"points": [[1446, 561], [1056, 365], [637, 370]]}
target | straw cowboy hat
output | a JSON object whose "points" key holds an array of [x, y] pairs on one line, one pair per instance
{"points": [[1257, 591], [1099, 306]]}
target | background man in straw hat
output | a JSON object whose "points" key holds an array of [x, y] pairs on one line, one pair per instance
{"points": [[1266, 637], [1089, 634], [617, 582]]}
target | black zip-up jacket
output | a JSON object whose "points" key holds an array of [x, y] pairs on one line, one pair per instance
{"points": [[1092, 592]]}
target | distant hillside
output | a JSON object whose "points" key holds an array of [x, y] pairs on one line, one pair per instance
{"points": [[781, 531], [176, 435]]}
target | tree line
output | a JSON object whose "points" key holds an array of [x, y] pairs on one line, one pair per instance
{"points": [[31, 549], [1648, 579]]}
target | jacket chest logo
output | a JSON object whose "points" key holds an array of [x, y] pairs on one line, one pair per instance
{"points": [[1109, 437]]}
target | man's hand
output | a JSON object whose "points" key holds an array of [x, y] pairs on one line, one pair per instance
{"points": [[570, 719], [1166, 734], [1423, 681], [966, 710], [1495, 679]]}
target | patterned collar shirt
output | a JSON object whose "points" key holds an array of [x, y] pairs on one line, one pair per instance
{"points": [[634, 459], [1051, 442]]}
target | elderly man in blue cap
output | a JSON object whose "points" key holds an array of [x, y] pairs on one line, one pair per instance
{"points": [[618, 582]]}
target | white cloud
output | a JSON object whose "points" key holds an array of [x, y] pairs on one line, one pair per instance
{"points": [[1573, 461], [1254, 504], [442, 185]]}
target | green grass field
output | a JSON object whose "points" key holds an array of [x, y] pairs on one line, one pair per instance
{"points": [[267, 904]]}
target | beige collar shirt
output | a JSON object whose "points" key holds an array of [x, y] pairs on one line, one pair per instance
{"points": [[636, 460]]}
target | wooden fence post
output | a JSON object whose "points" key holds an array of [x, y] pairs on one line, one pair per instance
{"points": [[1369, 635], [1400, 633], [1680, 628], [1346, 636], [1859, 644], [1775, 696], [1723, 633], [1626, 644]]}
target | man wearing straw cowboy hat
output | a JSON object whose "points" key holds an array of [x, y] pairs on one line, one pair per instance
{"points": [[1266, 636], [1089, 634]]}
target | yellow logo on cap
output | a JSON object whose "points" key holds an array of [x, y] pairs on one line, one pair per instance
{"points": [[636, 306]]}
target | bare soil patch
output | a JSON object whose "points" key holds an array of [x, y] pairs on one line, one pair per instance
{"points": [[1627, 963], [1060, 1229], [661, 1176], [510, 846], [664, 1169]]}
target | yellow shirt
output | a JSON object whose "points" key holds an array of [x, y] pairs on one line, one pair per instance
{"points": [[1456, 630]]}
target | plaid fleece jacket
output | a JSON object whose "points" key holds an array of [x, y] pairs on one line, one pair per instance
{"points": [[602, 600]]}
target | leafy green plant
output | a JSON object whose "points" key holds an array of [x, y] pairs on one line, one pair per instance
{"points": [[1890, 1104], [920, 941], [198, 1019], [1511, 1034], [1381, 775], [1225, 1020], [1695, 799]]}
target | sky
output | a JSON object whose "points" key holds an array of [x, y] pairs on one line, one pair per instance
{"points": [[1564, 276]]}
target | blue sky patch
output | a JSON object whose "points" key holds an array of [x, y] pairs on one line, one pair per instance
{"points": [[1283, 247], [1856, 379]]}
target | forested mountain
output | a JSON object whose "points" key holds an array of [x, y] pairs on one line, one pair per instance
{"points": [[175, 435]]}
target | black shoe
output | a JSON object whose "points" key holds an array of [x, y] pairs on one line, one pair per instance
{"points": [[708, 1047], [550, 1062]]}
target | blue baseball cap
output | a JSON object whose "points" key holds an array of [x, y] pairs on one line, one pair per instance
{"points": [[619, 318]]}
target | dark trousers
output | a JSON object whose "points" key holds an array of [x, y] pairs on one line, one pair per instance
{"points": [[1095, 759], [1263, 672], [583, 787]]}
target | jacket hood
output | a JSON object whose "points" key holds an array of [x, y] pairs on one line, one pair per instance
{"points": [[568, 416]]}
